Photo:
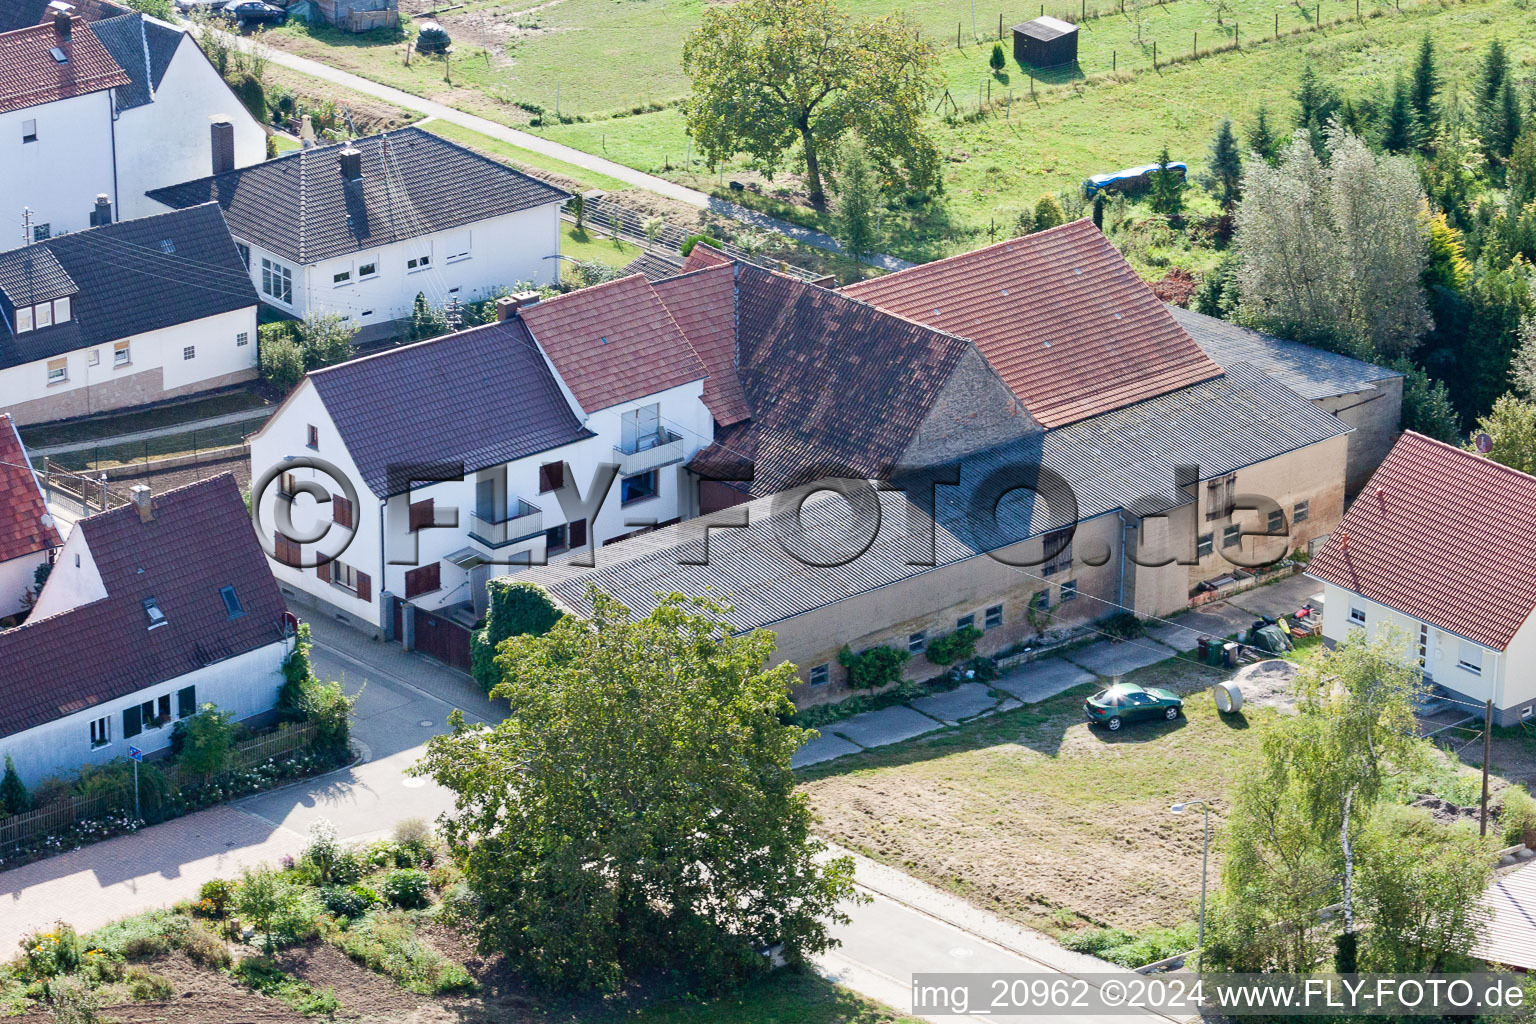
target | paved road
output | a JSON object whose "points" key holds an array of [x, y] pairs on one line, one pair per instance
{"points": [[908, 927], [538, 144]]}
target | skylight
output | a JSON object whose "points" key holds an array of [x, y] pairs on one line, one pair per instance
{"points": [[167, 246], [231, 602], [152, 610], [58, 55]]}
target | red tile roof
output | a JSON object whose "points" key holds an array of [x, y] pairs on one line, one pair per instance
{"points": [[1444, 535], [200, 541], [30, 75], [704, 255], [613, 342], [1062, 317], [22, 530], [704, 305]]}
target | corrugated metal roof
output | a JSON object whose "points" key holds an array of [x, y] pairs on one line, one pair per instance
{"points": [[1123, 459], [1510, 935]]}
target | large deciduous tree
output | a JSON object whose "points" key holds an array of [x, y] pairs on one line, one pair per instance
{"points": [[1333, 254], [637, 811], [769, 75], [1512, 427]]}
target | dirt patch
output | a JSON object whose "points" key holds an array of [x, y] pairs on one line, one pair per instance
{"points": [[203, 996], [362, 993], [371, 116], [1445, 812], [1267, 684], [124, 477]]}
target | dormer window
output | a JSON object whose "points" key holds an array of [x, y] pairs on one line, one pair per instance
{"points": [[153, 613], [43, 314], [231, 602]]}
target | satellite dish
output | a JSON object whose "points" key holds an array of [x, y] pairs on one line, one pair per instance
{"points": [[1484, 443]]}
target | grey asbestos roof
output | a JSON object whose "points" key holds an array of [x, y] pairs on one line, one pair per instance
{"points": [[123, 37], [1310, 372], [413, 183], [128, 278], [483, 397], [1124, 459], [655, 265]]}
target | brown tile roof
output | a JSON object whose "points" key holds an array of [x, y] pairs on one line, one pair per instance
{"points": [[613, 342], [29, 74], [704, 255], [1443, 535], [704, 305], [22, 530], [1068, 325], [200, 541]]}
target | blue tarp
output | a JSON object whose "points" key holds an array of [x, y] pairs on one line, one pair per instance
{"points": [[1130, 179]]}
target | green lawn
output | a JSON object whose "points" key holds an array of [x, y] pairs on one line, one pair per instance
{"points": [[101, 426], [524, 159], [590, 246], [284, 144]]}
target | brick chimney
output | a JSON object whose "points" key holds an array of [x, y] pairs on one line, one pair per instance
{"points": [[143, 500], [351, 164], [508, 305], [61, 25], [101, 215], [222, 135]]}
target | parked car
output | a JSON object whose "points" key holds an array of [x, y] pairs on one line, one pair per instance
{"points": [[249, 12], [1130, 180], [1127, 702]]}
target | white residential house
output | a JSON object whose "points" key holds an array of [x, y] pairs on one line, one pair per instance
{"points": [[110, 108], [360, 229], [156, 608], [526, 411], [1439, 547], [124, 314], [28, 535]]}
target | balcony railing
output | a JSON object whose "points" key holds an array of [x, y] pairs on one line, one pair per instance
{"points": [[521, 522], [653, 451]]}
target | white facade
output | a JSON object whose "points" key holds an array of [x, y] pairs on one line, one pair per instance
{"points": [[168, 141], [522, 519], [55, 159], [1468, 669], [186, 355], [245, 685], [378, 285], [16, 578]]}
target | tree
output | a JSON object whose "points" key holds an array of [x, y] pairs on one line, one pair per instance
{"points": [[1446, 264], [1048, 213], [1427, 405], [1226, 164], [638, 812], [1400, 128], [325, 339], [262, 899], [515, 608], [1261, 138], [426, 321], [1335, 254], [999, 59], [1167, 188], [279, 358], [1426, 83], [1316, 103], [14, 798], [1520, 172], [206, 740], [1512, 425], [857, 194], [1492, 74], [1522, 371], [770, 74]]}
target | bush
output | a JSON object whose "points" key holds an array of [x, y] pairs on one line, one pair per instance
{"points": [[52, 953], [983, 670], [1517, 816], [1124, 625], [415, 836], [386, 942], [204, 946], [692, 240], [215, 897], [1130, 950], [323, 850], [367, 893], [280, 360], [459, 904], [516, 609], [146, 986], [999, 59], [344, 902], [206, 740], [254, 97], [407, 888], [14, 798], [325, 339], [874, 668], [141, 936], [1048, 213], [953, 647]]}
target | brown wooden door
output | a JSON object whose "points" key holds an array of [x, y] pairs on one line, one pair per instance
{"points": [[444, 640]]}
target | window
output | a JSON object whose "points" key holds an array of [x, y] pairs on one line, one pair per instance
{"points": [[345, 277], [422, 515], [993, 617], [365, 271], [29, 130], [420, 262], [61, 312], [133, 724], [1041, 600], [186, 702], [1221, 496], [555, 540], [1356, 615], [917, 643], [312, 436], [1470, 658], [1232, 536], [41, 232], [637, 488], [276, 281], [423, 580], [242, 339], [101, 732], [1069, 591], [121, 353], [821, 675], [58, 371], [190, 352], [288, 485], [1276, 523], [23, 319], [551, 477], [341, 512], [343, 575], [245, 254], [232, 607], [147, 715], [1300, 511], [1423, 644], [163, 709], [1205, 545], [1059, 541], [641, 429], [576, 536], [153, 613], [93, 358], [42, 314], [287, 551], [457, 246], [965, 622]]}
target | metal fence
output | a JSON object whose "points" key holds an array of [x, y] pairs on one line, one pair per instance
{"points": [[603, 214]]}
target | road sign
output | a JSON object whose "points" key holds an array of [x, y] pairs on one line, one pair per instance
{"points": [[136, 753], [1484, 443]]}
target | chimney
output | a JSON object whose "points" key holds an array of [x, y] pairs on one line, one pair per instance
{"points": [[351, 164], [508, 305], [222, 134], [102, 214], [143, 501], [306, 133], [61, 26]]}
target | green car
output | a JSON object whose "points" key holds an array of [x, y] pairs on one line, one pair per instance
{"points": [[1127, 702]]}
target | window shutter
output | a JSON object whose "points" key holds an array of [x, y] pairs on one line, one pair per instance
{"points": [[364, 587], [421, 514], [186, 702], [132, 723], [341, 511], [579, 533], [323, 571], [551, 476]]}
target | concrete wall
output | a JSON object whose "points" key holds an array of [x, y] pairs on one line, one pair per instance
{"points": [[157, 370], [60, 175], [16, 580], [1377, 417], [245, 685]]}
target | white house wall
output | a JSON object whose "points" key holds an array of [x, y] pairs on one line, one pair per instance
{"points": [[1520, 672], [16, 579], [74, 580], [60, 175], [245, 685]]}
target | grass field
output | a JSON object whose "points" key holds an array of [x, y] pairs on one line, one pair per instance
{"points": [[591, 247], [525, 159]]}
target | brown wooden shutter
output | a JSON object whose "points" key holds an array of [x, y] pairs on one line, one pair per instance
{"points": [[341, 511], [421, 514], [364, 587], [323, 570], [578, 537], [551, 476]]}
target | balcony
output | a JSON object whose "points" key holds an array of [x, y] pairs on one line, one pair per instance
{"points": [[653, 451], [522, 521]]}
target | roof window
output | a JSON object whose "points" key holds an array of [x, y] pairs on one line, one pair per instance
{"points": [[58, 55], [152, 610], [231, 602], [167, 246]]}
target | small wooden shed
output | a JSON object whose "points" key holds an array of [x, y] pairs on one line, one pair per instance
{"points": [[1046, 42]]}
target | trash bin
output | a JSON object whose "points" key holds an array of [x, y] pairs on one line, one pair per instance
{"points": [[1229, 655], [1204, 647]]}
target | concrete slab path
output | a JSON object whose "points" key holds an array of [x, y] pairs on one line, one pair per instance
{"points": [[965, 701], [1040, 680], [825, 747], [888, 725], [1280, 598], [1107, 658]]}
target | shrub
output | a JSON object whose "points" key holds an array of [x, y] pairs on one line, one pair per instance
{"points": [[254, 97], [1124, 625], [271, 904], [1517, 816], [113, 782], [344, 902], [406, 887], [14, 798], [204, 946], [323, 850], [207, 738], [367, 893], [1132, 950], [1048, 213], [516, 609], [146, 986], [953, 647], [325, 339], [72, 1001], [874, 668], [141, 936], [692, 240], [386, 942], [52, 953], [999, 59], [459, 904], [215, 896], [386, 853], [982, 669], [415, 836], [280, 360]]}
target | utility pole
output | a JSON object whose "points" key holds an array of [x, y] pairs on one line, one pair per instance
{"points": [[26, 225], [452, 316], [1482, 827]]}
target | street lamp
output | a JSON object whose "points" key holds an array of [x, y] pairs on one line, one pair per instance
{"points": [[1205, 854]]}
